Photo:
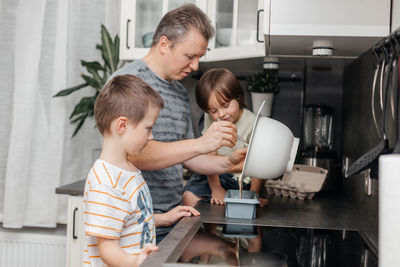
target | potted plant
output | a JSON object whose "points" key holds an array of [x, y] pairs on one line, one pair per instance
{"points": [[263, 86], [96, 77]]}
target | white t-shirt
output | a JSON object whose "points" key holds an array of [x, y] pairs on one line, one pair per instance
{"points": [[118, 205], [244, 128]]}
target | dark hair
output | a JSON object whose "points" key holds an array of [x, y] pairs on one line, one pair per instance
{"points": [[177, 22], [224, 83], [124, 95]]}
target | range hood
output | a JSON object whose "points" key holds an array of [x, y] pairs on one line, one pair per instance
{"points": [[346, 29]]}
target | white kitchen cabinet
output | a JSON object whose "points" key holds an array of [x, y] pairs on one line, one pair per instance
{"points": [[139, 19], [75, 231], [292, 26], [237, 23]]}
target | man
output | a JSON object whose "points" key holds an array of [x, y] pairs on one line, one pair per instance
{"points": [[179, 41]]}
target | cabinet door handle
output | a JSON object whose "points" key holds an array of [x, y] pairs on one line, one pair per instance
{"points": [[74, 236], [127, 33], [258, 24]]}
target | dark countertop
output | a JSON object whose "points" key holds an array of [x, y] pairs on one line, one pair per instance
{"points": [[74, 189], [324, 211]]}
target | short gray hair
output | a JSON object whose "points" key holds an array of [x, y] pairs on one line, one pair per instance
{"points": [[177, 22]]}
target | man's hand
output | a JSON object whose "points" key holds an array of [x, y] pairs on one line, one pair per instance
{"points": [[236, 159], [217, 195], [170, 217], [220, 133]]}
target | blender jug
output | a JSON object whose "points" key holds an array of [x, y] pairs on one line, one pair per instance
{"points": [[317, 128], [317, 143]]}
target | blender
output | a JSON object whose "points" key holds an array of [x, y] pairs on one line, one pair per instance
{"points": [[317, 142]]}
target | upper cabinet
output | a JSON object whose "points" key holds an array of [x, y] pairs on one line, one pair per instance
{"points": [[139, 19], [256, 28], [238, 25], [293, 28]]}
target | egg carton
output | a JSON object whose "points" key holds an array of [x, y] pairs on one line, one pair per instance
{"points": [[302, 183]]}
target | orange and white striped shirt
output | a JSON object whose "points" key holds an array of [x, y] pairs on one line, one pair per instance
{"points": [[118, 205]]}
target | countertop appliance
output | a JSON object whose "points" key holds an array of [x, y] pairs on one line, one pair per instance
{"points": [[317, 142], [251, 245]]}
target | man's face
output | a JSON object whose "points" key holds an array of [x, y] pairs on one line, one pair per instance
{"points": [[183, 57]]}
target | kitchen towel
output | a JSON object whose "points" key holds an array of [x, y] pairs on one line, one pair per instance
{"points": [[389, 210]]}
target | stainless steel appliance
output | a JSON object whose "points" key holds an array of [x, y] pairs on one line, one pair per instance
{"points": [[317, 143]]}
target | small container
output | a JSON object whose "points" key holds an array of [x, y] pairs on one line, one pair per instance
{"points": [[241, 208]]}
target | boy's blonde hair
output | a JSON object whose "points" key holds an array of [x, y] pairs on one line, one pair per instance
{"points": [[177, 22], [223, 83], [124, 95]]}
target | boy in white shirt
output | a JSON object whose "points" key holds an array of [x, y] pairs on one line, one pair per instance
{"points": [[119, 220]]}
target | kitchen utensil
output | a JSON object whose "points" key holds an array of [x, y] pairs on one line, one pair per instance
{"points": [[379, 66], [241, 207], [272, 149], [317, 128], [241, 139], [362, 162], [396, 89], [317, 146]]}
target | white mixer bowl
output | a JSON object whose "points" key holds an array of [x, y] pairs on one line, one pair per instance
{"points": [[271, 151]]}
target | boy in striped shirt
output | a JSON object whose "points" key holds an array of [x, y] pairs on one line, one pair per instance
{"points": [[119, 220]]}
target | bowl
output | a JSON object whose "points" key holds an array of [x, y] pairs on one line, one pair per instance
{"points": [[224, 36], [246, 37], [272, 149], [147, 39]]}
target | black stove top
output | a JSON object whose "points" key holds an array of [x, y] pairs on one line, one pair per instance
{"points": [[250, 245]]}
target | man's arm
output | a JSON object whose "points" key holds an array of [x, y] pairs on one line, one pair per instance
{"points": [[213, 164], [158, 155]]}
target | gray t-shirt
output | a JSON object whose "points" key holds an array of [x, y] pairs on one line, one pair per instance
{"points": [[173, 124]]}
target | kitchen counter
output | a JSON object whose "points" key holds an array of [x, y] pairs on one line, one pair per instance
{"points": [[73, 189], [324, 211]]}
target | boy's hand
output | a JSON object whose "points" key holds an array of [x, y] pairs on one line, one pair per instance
{"points": [[221, 133], [236, 159], [147, 249], [263, 202], [170, 217], [217, 195]]}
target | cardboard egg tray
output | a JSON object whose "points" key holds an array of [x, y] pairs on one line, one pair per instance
{"points": [[302, 183]]}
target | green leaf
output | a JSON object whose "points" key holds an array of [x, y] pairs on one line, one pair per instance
{"points": [[96, 76], [93, 68], [78, 127], [116, 52], [98, 85], [70, 90], [85, 105], [107, 49], [93, 65], [264, 82]]}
